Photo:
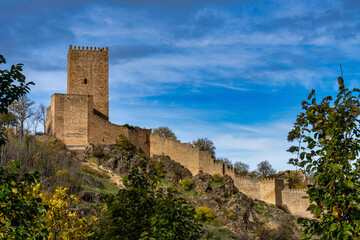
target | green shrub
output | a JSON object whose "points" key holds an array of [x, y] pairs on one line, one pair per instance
{"points": [[205, 214], [186, 184], [216, 177], [129, 126], [231, 215], [123, 144], [98, 152]]}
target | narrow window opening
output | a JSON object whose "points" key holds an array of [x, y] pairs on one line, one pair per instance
{"points": [[85, 81]]}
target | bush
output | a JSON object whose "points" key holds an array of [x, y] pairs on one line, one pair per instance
{"points": [[205, 214], [129, 126], [98, 152], [63, 223], [142, 211], [186, 184], [123, 144], [216, 178], [21, 206], [231, 215]]}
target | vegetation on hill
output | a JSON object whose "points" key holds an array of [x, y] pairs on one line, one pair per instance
{"points": [[166, 191]]}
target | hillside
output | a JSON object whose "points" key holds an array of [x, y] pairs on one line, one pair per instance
{"points": [[226, 213]]}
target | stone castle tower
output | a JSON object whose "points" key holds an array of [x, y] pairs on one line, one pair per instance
{"points": [[81, 116], [88, 74]]}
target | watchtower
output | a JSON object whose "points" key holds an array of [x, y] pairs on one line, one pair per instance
{"points": [[88, 74]]}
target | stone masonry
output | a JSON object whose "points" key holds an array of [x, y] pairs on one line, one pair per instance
{"points": [[81, 117]]}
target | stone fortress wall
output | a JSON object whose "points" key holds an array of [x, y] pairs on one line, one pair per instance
{"points": [[267, 190], [81, 117]]}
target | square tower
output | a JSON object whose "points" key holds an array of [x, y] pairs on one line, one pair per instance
{"points": [[88, 74]]}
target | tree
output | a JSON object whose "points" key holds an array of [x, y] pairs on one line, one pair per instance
{"points": [[205, 144], [328, 137], [141, 211], [265, 169], [165, 132], [13, 85], [22, 109], [241, 168], [40, 115], [8, 119]]}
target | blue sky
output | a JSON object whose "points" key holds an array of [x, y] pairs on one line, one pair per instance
{"points": [[232, 71]]}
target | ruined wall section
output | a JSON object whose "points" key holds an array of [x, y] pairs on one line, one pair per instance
{"points": [[267, 190], [183, 153], [88, 74], [249, 186], [102, 131], [293, 199]]}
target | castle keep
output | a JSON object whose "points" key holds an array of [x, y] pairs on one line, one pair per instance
{"points": [[81, 117]]}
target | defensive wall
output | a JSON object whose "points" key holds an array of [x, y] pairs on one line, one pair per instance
{"points": [[81, 117], [293, 199], [269, 190]]}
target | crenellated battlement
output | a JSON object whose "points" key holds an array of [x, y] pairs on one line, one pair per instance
{"points": [[295, 190], [267, 179], [92, 49]]}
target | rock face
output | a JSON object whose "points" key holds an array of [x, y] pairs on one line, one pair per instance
{"points": [[248, 218], [113, 158], [178, 171]]}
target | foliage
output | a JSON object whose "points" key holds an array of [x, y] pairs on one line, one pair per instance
{"points": [[216, 177], [40, 115], [265, 169], [205, 214], [225, 161], [129, 126], [123, 144], [47, 156], [165, 132], [20, 207], [61, 222], [13, 86], [22, 109], [8, 119], [241, 169], [295, 180], [205, 144], [220, 233], [141, 211], [327, 135], [253, 174], [98, 151], [186, 184]]}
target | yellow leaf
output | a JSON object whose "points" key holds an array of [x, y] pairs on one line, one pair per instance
{"points": [[335, 212]]}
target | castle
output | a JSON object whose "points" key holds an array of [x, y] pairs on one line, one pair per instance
{"points": [[81, 117]]}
